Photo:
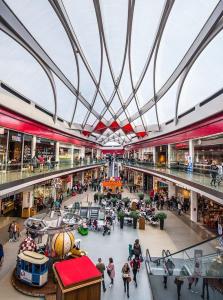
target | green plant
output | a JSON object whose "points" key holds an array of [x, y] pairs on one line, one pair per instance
{"points": [[100, 196], [114, 200], [161, 216], [121, 214], [126, 200], [141, 196], [134, 214], [148, 201]]}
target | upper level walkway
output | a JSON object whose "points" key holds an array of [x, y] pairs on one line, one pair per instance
{"points": [[12, 181], [193, 180]]}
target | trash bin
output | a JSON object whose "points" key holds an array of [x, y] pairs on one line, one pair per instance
{"points": [[26, 212], [32, 211], [141, 223]]}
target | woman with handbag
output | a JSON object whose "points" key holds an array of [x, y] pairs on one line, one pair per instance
{"points": [[126, 277], [111, 271]]}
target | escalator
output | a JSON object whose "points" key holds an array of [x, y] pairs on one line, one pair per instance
{"points": [[200, 264]]}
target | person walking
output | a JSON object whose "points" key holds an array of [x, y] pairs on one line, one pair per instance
{"points": [[126, 277], [137, 249], [214, 172], [179, 282], [101, 267], [111, 271], [1, 254], [179, 207], [135, 265]]}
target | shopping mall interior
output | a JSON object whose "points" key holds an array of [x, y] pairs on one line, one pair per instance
{"points": [[111, 149]]}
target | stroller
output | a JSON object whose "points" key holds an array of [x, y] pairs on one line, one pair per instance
{"points": [[153, 220], [107, 229]]}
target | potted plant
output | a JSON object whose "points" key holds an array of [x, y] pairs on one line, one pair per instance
{"points": [[161, 217], [126, 201], [121, 216], [134, 215], [114, 201], [148, 201], [141, 196]]}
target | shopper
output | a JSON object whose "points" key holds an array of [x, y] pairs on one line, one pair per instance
{"points": [[135, 265], [179, 282], [179, 207], [101, 267], [10, 231], [137, 249], [111, 271], [214, 172], [1, 254], [126, 277]]}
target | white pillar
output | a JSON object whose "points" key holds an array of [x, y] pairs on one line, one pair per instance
{"points": [[33, 145], [57, 153], [92, 153], [82, 178], [191, 150], [169, 152], [72, 154], [193, 206], [154, 155], [171, 189]]}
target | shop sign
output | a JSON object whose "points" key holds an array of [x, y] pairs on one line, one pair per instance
{"points": [[16, 138], [25, 276]]}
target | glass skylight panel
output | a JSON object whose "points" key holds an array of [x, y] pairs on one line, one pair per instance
{"points": [[145, 91], [108, 115], [166, 105], [23, 73], [116, 104], [106, 85], [40, 19], [145, 23], [99, 104], [205, 77], [132, 108], [80, 113], [114, 17], [91, 119], [65, 101], [87, 86], [125, 84], [149, 117], [122, 117], [110, 144], [137, 122], [83, 18], [184, 23]]}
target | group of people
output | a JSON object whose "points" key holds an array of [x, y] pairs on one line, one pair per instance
{"points": [[216, 172], [161, 200], [125, 271], [40, 161], [14, 231]]}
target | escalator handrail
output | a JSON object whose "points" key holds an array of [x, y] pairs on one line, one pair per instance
{"points": [[187, 248]]}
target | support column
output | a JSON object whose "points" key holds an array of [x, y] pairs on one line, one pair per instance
{"points": [[169, 152], [154, 155], [171, 189], [191, 152], [82, 178], [57, 153], [72, 154], [193, 206], [33, 145]]}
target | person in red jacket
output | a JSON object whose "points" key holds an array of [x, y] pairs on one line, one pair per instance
{"points": [[135, 265]]}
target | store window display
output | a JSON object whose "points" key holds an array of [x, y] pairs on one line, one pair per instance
{"points": [[3, 148], [65, 155], [14, 151]]}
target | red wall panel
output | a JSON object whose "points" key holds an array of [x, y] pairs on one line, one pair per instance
{"points": [[13, 121]]}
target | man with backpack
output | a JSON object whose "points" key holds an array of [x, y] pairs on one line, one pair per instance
{"points": [[135, 265]]}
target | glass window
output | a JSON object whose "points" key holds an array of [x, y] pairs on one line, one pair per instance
{"points": [[3, 147], [14, 150], [205, 77], [27, 144], [190, 16]]}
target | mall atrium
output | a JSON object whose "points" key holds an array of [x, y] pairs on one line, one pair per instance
{"points": [[111, 149]]}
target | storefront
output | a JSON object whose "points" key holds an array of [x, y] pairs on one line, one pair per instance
{"points": [[147, 182], [161, 153], [210, 213], [138, 180], [3, 148], [12, 205], [45, 147], [42, 194], [14, 150], [160, 185], [65, 154]]}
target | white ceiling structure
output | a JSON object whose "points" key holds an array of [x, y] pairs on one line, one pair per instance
{"points": [[115, 70]]}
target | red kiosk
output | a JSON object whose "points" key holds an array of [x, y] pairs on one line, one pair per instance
{"points": [[78, 279]]}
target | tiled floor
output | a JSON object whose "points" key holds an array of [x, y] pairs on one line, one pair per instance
{"points": [[177, 235]]}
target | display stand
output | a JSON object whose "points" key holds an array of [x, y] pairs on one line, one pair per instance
{"points": [[78, 279]]}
